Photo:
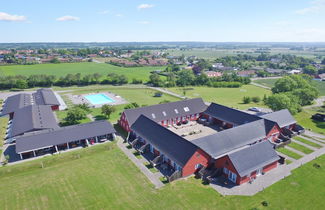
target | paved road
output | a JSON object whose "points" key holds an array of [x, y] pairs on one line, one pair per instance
{"points": [[318, 102], [258, 78], [259, 85], [167, 92]]}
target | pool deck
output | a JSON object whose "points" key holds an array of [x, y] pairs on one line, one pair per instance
{"points": [[80, 99]]}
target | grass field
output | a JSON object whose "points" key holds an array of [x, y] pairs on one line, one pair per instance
{"points": [[74, 68], [305, 141], [320, 85], [300, 148], [304, 119], [289, 153], [3, 129], [102, 177], [227, 96], [142, 96], [266, 82]]}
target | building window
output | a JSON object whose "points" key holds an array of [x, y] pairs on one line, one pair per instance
{"points": [[186, 109], [225, 171], [153, 116], [164, 113], [176, 111]]}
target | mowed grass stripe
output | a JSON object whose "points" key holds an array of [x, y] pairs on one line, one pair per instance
{"points": [[305, 141], [300, 148], [289, 153]]}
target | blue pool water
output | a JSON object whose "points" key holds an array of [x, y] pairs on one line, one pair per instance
{"points": [[99, 99]]}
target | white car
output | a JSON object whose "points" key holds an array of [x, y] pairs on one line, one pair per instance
{"points": [[255, 109]]}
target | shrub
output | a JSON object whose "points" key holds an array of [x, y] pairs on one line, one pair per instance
{"points": [[265, 203], [246, 100], [256, 99]]}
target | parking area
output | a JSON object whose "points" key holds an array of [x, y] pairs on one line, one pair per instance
{"points": [[194, 130]]}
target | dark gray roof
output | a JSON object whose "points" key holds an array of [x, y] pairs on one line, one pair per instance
{"points": [[166, 111], [63, 135], [15, 102], [168, 143], [230, 115], [254, 157], [45, 96], [225, 141], [283, 118], [32, 118]]}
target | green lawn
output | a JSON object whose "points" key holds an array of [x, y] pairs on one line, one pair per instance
{"points": [[300, 148], [305, 141], [142, 96], [102, 177], [266, 82], [62, 114], [304, 119], [73, 68], [289, 153], [270, 83], [227, 96], [3, 129]]}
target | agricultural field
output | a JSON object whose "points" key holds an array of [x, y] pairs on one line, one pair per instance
{"points": [[103, 177], [63, 69], [227, 96], [213, 53]]}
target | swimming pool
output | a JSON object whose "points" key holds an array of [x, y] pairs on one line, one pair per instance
{"points": [[100, 98]]}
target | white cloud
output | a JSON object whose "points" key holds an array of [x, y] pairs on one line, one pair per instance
{"points": [[315, 7], [144, 22], [145, 6], [104, 12], [68, 18], [283, 23], [119, 15], [13, 18]]}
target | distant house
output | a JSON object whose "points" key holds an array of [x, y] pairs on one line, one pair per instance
{"points": [[294, 71], [320, 77], [275, 71], [247, 73], [213, 74]]}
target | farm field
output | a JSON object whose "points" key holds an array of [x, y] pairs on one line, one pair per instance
{"points": [[227, 96], [211, 53], [63, 69], [103, 177]]}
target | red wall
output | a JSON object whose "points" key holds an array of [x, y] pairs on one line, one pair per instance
{"points": [[275, 130], [199, 157], [55, 107], [221, 163]]}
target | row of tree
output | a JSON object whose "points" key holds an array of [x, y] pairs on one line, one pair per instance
{"points": [[187, 78], [23, 82]]}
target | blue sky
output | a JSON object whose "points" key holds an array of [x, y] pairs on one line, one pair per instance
{"points": [[162, 20]]}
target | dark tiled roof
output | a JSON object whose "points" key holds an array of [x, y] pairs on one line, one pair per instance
{"points": [[168, 143], [45, 96], [63, 135], [166, 111], [32, 118], [16, 102], [230, 115], [283, 118], [225, 141], [254, 157]]}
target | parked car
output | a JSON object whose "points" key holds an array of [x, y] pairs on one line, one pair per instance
{"points": [[255, 109], [318, 117]]}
